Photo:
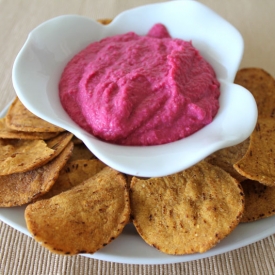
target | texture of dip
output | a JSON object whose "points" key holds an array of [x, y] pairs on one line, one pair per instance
{"points": [[140, 90]]}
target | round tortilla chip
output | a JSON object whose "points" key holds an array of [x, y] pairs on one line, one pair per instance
{"points": [[259, 161], [259, 201], [73, 174], [187, 212], [19, 118], [22, 188], [83, 219], [262, 86]]}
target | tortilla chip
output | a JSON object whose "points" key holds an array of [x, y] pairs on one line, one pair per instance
{"points": [[187, 212], [7, 133], [22, 188], [59, 142], [81, 152], [262, 86], [259, 162], [22, 155], [104, 21], [19, 156], [20, 119], [73, 174], [259, 201], [83, 219], [227, 157], [76, 140]]}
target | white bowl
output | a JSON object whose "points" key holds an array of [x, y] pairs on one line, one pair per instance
{"points": [[39, 64]]}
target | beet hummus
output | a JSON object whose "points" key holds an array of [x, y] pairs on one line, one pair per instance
{"points": [[140, 90]]}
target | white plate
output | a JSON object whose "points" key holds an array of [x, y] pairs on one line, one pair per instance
{"points": [[39, 64], [227, 129], [129, 248]]}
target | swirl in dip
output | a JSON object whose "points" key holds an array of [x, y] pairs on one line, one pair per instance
{"points": [[140, 90]]}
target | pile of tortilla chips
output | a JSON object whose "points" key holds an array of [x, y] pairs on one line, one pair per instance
{"points": [[76, 204]]}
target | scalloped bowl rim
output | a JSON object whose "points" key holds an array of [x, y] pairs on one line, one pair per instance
{"points": [[52, 44]]}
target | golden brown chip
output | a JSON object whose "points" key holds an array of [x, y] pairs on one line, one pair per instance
{"points": [[76, 140], [73, 174], [187, 212], [262, 86], [22, 155], [6, 132], [59, 142], [18, 156], [81, 152], [104, 21], [82, 219], [21, 188], [259, 161], [227, 157], [20, 119], [259, 201]]}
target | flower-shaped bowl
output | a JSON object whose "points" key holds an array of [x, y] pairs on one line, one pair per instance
{"points": [[39, 65]]}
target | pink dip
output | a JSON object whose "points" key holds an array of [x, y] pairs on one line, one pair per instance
{"points": [[140, 90]]}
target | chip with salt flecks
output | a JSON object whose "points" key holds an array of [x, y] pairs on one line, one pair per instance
{"points": [[187, 212], [75, 173], [259, 161], [83, 219], [22, 188], [259, 201], [21, 119]]}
